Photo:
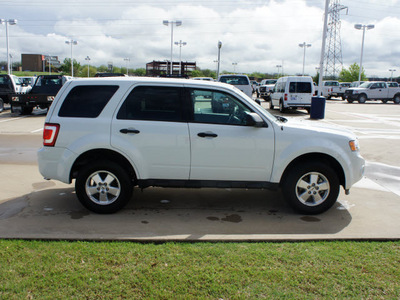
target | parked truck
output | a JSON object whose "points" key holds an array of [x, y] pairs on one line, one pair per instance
{"points": [[41, 95], [11, 85], [373, 90], [332, 88]]}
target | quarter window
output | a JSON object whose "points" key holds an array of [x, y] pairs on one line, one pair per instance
{"points": [[217, 108], [152, 103], [86, 101]]}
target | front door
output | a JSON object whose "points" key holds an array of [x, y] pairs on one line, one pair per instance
{"points": [[223, 147]]}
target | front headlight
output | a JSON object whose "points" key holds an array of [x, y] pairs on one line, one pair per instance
{"points": [[354, 146]]}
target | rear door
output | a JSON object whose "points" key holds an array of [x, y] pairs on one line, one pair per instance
{"points": [[150, 128], [300, 93]]}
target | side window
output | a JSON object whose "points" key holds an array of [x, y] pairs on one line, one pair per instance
{"points": [[217, 108], [86, 101], [155, 103]]}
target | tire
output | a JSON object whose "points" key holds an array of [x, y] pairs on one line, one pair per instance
{"points": [[26, 110], [362, 99], [103, 187], [282, 109], [311, 188], [396, 99], [1, 105], [271, 106]]}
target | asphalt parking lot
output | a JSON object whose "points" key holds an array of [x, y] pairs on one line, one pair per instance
{"points": [[33, 208]]}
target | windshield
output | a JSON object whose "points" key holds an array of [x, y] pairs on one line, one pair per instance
{"points": [[235, 80], [365, 85]]}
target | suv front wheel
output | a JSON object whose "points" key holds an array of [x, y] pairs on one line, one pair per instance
{"points": [[311, 188], [103, 187]]}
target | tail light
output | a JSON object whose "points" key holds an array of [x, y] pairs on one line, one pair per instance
{"points": [[285, 97], [50, 133]]}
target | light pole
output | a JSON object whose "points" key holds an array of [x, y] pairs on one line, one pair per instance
{"points": [[87, 58], [219, 57], [180, 43], [304, 45], [177, 23], [362, 27], [234, 64], [71, 42], [278, 66], [11, 22], [127, 65], [391, 75]]}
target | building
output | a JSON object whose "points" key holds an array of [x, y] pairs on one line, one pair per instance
{"points": [[39, 62], [162, 68]]}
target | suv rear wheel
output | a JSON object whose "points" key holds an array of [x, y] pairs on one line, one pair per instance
{"points": [[103, 187], [311, 188]]}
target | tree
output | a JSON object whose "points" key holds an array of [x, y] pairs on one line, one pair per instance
{"points": [[66, 67], [352, 73]]}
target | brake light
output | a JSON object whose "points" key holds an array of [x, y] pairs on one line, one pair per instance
{"points": [[285, 97], [50, 133]]}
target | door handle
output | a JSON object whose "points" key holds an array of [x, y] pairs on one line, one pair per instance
{"points": [[126, 131], [207, 134]]}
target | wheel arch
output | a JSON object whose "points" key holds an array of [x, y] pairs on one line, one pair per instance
{"points": [[102, 154], [321, 157]]}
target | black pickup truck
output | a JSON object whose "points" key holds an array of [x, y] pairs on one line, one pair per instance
{"points": [[41, 95]]}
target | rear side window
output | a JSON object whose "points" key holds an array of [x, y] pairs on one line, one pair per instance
{"points": [[86, 101], [156, 103], [235, 80], [300, 87]]}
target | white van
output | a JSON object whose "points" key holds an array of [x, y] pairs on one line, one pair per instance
{"points": [[242, 82], [292, 92]]}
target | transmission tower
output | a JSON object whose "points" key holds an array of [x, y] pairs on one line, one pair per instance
{"points": [[333, 60]]}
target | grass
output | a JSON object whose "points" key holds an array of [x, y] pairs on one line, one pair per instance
{"points": [[55, 270], [28, 73]]}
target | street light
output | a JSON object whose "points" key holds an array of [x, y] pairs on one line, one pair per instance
{"points": [[234, 67], [391, 76], [88, 60], [71, 42], [127, 64], [278, 66], [304, 45], [177, 23], [11, 22], [180, 43], [219, 57], [359, 27]]}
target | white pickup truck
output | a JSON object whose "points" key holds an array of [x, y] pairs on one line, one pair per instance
{"points": [[374, 90], [332, 88]]}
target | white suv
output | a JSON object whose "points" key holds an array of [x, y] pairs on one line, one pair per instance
{"points": [[111, 134]]}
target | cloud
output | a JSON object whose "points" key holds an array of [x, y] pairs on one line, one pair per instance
{"points": [[257, 35]]}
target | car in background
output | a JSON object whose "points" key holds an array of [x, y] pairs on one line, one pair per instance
{"points": [[204, 78], [242, 82], [293, 92], [28, 80], [265, 88]]}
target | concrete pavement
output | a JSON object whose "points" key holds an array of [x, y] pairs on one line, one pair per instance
{"points": [[33, 208]]}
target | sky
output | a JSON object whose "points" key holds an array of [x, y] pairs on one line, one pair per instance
{"points": [[256, 35]]}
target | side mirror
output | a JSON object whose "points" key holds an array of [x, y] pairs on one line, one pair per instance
{"points": [[252, 119]]}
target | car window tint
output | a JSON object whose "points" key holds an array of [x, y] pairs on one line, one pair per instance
{"points": [[217, 108], [300, 87], [86, 101], [155, 103]]}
